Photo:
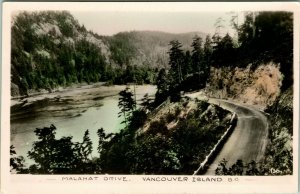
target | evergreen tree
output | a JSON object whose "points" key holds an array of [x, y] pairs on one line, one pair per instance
{"points": [[246, 30], [265, 37], [58, 156], [146, 103], [41, 152], [224, 52], [208, 50], [86, 147], [16, 162], [126, 104], [199, 68], [122, 48], [176, 60], [162, 87], [51, 155], [187, 65], [197, 54], [102, 137]]}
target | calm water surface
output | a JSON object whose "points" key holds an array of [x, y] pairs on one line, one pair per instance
{"points": [[71, 114]]}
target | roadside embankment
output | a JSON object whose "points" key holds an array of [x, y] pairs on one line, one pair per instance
{"points": [[191, 129], [253, 85], [249, 139], [216, 149]]}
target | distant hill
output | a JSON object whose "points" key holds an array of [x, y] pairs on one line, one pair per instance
{"points": [[152, 46], [52, 48]]}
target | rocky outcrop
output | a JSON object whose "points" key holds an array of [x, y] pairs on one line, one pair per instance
{"points": [[259, 87]]}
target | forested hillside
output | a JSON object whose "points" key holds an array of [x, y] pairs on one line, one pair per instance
{"points": [[149, 47], [51, 49], [260, 65]]}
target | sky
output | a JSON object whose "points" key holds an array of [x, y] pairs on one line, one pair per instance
{"points": [[112, 22]]}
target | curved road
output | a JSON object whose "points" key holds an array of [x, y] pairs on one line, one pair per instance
{"points": [[249, 138]]}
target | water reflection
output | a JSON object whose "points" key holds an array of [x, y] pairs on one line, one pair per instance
{"points": [[71, 115]]}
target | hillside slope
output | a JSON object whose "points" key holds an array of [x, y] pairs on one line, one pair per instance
{"points": [[153, 46], [257, 87], [279, 156], [52, 48]]}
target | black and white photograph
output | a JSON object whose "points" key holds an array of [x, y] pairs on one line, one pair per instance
{"points": [[170, 92]]}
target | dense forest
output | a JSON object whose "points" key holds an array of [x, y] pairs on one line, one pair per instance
{"points": [[51, 49]]}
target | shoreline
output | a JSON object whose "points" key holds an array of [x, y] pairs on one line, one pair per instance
{"points": [[76, 92], [71, 111], [57, 89]]}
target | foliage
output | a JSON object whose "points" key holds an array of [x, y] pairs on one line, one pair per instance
{"points": [[250, 169], [224, 52], [278, 159], [207, 55], [122, 48], [147, 103], [162, 87], [176, 62], [50, 49], [57, 156], [187, 71], [126, 104], [236, 169], [16, 162], [197, 135], [265, 37], [154, 154], [160, 150], [85, 148], [187, 67], [137, 120], [279, 153], [59, 58], [197, 54]]}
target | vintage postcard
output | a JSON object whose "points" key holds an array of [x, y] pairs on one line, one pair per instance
{"points": [[149, 97]]}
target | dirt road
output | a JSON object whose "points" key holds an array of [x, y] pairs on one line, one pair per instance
{"points": [[249, 138]]}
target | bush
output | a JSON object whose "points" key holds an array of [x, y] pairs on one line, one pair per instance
{"points": [[158, 127]]}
